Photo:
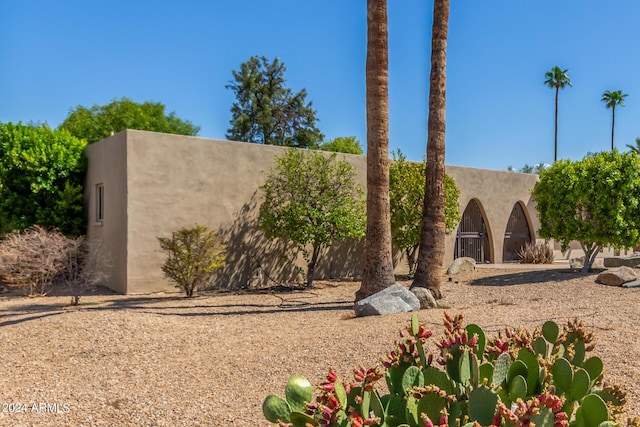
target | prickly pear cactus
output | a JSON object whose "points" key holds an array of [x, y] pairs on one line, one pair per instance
{"points": [[298, 392], [545, 378]]}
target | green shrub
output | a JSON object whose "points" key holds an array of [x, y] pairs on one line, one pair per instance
{"points": [[518, 378], [193, 257], [536, 253], [41, 179]]}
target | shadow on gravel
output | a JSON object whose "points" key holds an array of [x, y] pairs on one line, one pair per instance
{"points": [[528, 277], [28, 318], [303, 308]]}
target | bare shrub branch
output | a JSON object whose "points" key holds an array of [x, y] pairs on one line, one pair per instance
{"points": [[32, 258]]}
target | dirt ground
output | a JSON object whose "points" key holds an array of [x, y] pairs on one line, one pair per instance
{"points": [[164, 360]]}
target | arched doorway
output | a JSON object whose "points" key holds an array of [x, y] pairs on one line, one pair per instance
{"points": [[517, 233], [472, 238]]}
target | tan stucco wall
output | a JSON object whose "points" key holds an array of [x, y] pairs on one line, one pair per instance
{"points": [[157, 183], [108, 166], [496, 193]]}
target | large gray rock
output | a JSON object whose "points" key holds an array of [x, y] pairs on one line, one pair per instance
{"points": [[617, 277], [426, 298], [462, 265], [634, 284], [394, 299], [632, 260]]}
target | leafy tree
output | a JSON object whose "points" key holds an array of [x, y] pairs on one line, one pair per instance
{"points": [[313, 200], [343, 144], [193, 256], [268, 112], [99, 121], [611, 100], [406, 193], [595, 201], [431, 252], [557, 79], [378, 271], [41, 179], [635, 148], [527, 168]]}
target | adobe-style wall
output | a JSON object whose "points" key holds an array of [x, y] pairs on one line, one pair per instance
{"points": [[108, 166], [496, 193], [157, 183]]}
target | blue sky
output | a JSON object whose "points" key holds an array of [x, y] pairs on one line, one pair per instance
{"points": [[58, 55]]}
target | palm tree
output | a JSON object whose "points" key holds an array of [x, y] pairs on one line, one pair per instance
{"points": [[635, 148], [557, 78], [611, 100], [431, 253], [378, 269]]}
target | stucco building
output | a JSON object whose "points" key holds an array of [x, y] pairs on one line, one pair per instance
{"points": [[141, 185]]}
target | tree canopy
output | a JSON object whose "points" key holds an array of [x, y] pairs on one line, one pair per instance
{"points": [[99, 121], [342, 144], [41, 175], [595, 201], [311, 199], [406, 194], [266, 111], [527, 168]]}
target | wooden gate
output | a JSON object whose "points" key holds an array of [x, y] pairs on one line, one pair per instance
{"points": [[472, 239], [517, 234]]}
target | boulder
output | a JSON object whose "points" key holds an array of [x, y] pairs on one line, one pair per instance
{"points": [[426, 298], [617, 277], [394, 299], [632, 260], [462, 265], [633, 284]]}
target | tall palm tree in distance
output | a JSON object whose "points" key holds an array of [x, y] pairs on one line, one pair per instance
{"points": [[378, 269], [557, 78], [431, 252], [611, 100]]}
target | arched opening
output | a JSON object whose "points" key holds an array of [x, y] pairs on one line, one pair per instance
{"points": [[472, 238], [517, 234]]}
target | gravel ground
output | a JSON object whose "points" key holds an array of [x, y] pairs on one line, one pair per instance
{"points": [[163, 360]]}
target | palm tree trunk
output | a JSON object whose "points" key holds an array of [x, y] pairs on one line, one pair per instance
{"points": [[378, 269], [613, 123], [555, 139], [431, 252]]}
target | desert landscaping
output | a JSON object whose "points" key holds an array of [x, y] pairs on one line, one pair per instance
{"points": [[165, 360]]}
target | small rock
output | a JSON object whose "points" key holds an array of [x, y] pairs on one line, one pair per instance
{"points": [[426, 298], [462, 265], [394, 299], [617, 277]]}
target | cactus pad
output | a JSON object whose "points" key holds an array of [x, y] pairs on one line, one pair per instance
{"points": [[550, 331], [482, 405], [501, 369], [592, 412], [298, 392], [276, 409], [594, 367]]}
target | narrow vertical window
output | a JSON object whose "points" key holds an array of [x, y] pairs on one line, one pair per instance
{"points": [[99, 202]]}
